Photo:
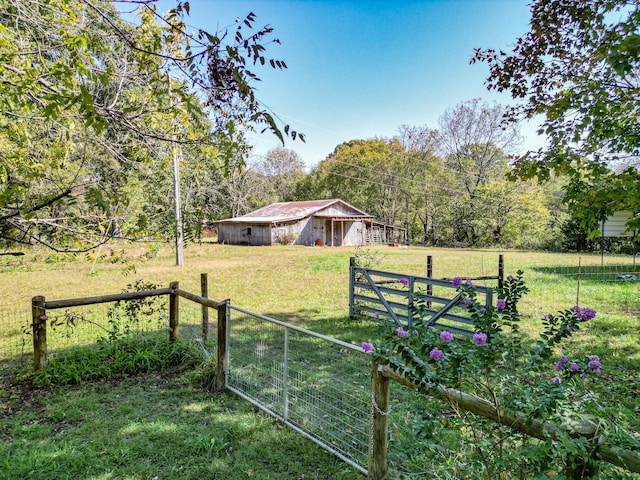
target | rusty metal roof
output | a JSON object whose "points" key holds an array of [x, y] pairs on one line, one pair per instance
{"points": [[291, 211]]}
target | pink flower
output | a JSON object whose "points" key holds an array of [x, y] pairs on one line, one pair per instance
{"points": [[467, 302], [367, 347], [446, 336], [404, 281], [595, 365], [402, 332], [584, 314], [556, 380], [562, 362], [456, 282], [501, 304], [469, 282], [436, 354], [479, 338]]}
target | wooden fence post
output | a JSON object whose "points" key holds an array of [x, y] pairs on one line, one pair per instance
{"points": [[39, 326], [204, 291], [378, 447], [174, 311], [500, 271], [221, 372]]}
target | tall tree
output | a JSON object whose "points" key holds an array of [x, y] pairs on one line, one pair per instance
{"points": [[474, 145], [283, 169], [428, 211], [369, 175], [577, 69], [85, 110]]}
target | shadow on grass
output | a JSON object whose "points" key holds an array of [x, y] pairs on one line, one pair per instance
{"points": [[150, 426]]}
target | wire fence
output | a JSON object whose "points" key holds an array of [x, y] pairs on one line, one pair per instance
{"points": [[608, 288], [16, 346], [317, 385], [84, 326]]}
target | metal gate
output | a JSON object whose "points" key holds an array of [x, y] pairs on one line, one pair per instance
{"points": [[317, 385], [390, 295]]}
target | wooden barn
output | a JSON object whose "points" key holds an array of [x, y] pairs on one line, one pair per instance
{"points": [[315, 222]]}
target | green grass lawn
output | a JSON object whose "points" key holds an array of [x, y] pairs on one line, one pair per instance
{"points": [[149, 426], [146, 427]]}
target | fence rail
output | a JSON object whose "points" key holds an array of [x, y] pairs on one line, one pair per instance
{"points": [[588, 428]]}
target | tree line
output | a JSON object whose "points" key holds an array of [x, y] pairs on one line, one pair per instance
{"points": [[443, 185], [97, 102]]}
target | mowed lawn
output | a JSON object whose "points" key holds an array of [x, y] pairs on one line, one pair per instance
{"points": [[308, 286]]}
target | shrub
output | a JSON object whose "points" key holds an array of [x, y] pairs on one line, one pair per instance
{"points": [[287, 238], [501, 365]]}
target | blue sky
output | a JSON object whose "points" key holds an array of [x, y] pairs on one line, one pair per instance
{"points": [[360, 69]]}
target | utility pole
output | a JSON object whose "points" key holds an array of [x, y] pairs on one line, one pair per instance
{"points": [[175, 159]]}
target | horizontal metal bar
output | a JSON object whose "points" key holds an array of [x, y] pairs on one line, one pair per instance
{"points": [[298, 329], [421, 280], [427, 298]]}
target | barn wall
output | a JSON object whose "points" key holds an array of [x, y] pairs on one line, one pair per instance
{"points": [[306, 231], [337, 210], [309, 230], [303, 232], [353, 233], [244, 234]]}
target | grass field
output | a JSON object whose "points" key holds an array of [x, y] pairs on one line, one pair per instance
{"points": [[305, 286]]}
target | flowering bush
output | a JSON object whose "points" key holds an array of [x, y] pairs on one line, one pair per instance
{"points": [[500, 364]]}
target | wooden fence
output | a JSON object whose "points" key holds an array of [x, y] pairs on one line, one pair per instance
{"points": [[40, 306], [588, 428], [381, 375]]}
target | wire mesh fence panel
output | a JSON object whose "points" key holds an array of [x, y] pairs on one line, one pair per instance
{"points": [[15, 327], [79, 326], [85, 325], [319, 386], [256, 360], [191, 323], [607, 288], [329, 394]]}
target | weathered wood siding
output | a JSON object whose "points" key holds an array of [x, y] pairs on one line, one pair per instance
{"points": [[244, 234], [345, 233], [306, 231], [337, 210], [309, 230], [301, 230]]}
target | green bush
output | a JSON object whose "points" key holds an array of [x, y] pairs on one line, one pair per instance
{"points": [[124, 356]]}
